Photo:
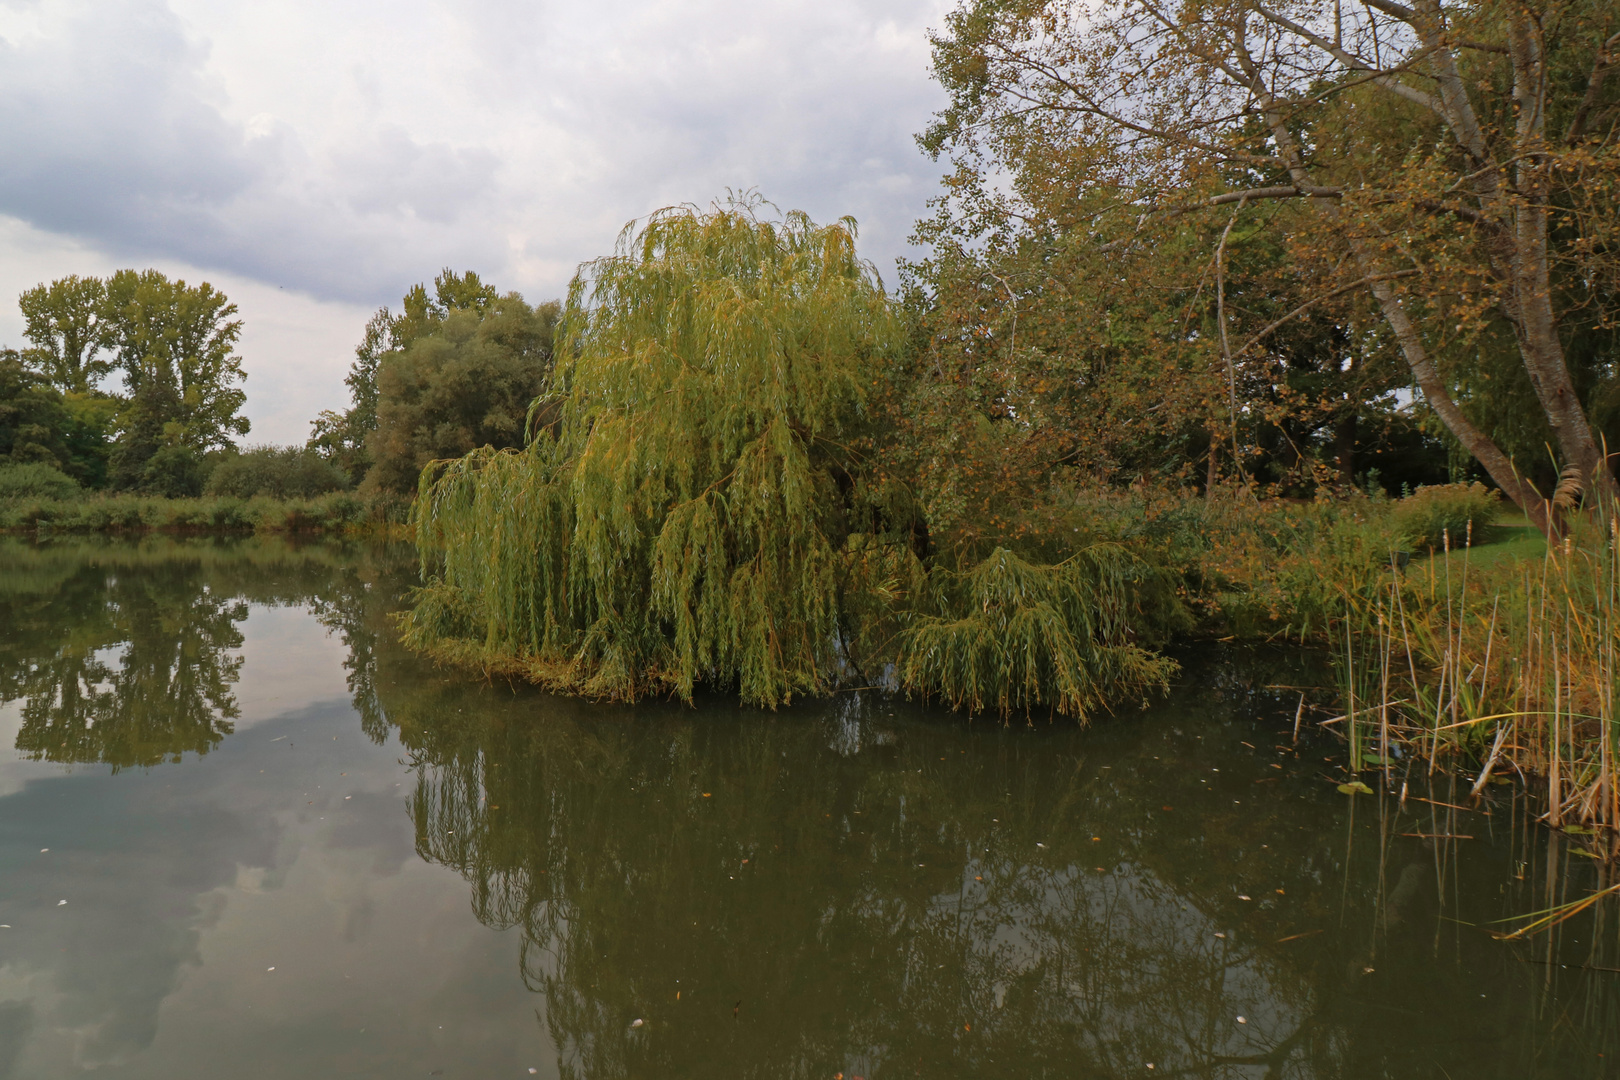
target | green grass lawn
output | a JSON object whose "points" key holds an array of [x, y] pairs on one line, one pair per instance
{"points": [[1510, 539]]}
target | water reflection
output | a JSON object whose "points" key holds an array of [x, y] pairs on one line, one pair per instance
{"points": [[127, 654], [883, 895], [864, 887]]}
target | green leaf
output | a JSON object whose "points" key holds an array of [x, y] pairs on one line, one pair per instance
{"points": [[1355, 787]]}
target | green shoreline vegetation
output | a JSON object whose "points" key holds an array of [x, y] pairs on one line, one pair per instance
{"points": [[1312, 357]]}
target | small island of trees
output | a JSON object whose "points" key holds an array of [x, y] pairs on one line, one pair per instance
{"points": [[1232, 322]]}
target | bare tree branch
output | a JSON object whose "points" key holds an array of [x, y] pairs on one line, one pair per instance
{"points": [[1594, 88], [1255, 338], [1288, 191], [1355, 63]]}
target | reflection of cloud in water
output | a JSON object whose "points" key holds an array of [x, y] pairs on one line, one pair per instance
{"points": [[137, 873], [186, 882], [16, 1017], [290, 661], [1135, 967]]}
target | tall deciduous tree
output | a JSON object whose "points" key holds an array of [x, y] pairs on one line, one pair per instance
{"points": [[1457, 161], [455, 370], [182, 338], [66, 323], [175, 345]]}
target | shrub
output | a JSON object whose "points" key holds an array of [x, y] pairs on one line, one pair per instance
{"points": [[174, 472], [281, 472], [36, 480], [1424, 519]]}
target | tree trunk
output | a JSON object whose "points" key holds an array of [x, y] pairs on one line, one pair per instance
{"points": [[1345, 430], [1528, 280], [1459, 115], [1438, 396], [1212, 473]]}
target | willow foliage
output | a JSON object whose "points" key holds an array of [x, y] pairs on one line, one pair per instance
{"points": [[695, 511], [1019, 635]]}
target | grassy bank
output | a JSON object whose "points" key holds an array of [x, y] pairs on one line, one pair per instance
{"points": [[1463, 640], [1492, 653], [337, 513], [1500, 660]]}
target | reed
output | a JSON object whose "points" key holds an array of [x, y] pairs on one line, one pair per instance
{"points": [[1509, 666]]}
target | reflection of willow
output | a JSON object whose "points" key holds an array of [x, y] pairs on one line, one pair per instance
{"points": [[357, 605], [856, 935]]}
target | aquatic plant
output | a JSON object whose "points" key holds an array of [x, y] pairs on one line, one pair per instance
{"points": [[1509, 664]]}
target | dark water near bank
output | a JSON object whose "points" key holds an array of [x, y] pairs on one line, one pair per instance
{"points": [[279, 846]]}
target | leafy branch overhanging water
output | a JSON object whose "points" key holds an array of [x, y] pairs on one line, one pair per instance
{"points": [[699, 504]]}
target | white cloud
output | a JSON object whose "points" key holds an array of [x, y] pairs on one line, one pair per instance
{"points": [[341, 152]]}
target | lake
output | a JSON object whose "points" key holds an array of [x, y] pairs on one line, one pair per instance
{"points": [[244, 834]]}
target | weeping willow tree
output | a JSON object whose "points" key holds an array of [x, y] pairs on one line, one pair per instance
{"points": [[693, 509]]}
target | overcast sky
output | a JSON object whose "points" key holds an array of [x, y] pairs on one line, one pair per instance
{"points": [[316, 159]]}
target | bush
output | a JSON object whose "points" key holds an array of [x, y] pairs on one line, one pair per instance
{"points": [[1427, 517], [335, 513], [280, 472], [36, 480], [174, 472]]}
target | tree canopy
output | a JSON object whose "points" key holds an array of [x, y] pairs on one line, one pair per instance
{"points": [[454, 370], [176, 398], [1439, 179], [702, 510], [66, 322]]}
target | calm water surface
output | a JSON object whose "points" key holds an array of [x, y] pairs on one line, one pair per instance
{"points": [[242, 834]]}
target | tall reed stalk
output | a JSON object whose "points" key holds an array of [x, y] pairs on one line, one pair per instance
{"points": [[1511, 666]]}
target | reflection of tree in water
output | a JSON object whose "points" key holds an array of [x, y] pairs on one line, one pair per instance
{"points": [[871, 909], [122, 653], [862, 903], [128, 667], [349, 608]]}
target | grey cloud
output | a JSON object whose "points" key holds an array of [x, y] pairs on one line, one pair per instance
{"points": [[112, 137], [803, 104], [106, 126], [434, 182], [516, 141]]}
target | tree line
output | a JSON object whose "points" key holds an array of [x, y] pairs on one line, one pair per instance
{"points": [[133, 384], [127, 382], [1276, 249], [1281, 247]]}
